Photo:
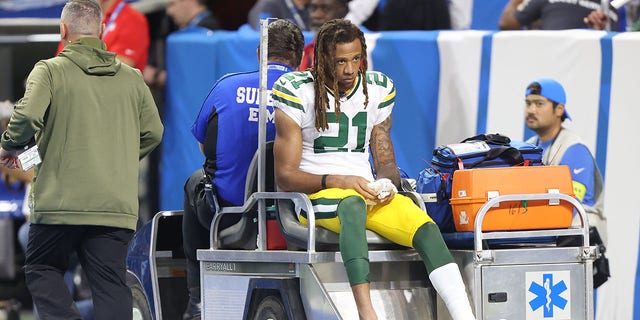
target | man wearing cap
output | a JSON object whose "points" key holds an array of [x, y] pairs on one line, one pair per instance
{"points": [[545, 111]]}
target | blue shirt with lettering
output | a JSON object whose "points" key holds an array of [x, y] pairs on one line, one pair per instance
{"points": [[227, 126]]}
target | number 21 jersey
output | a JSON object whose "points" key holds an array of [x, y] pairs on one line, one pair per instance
{"points": [[344, 147]]}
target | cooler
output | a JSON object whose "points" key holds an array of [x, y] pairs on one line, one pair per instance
{"points": [[472, 188]]}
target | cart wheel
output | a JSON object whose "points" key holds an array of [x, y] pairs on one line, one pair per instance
{"points": [[141, 309], [270, 308]]}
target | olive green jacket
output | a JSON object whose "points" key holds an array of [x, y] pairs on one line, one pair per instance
{"points": [[93, 118]]}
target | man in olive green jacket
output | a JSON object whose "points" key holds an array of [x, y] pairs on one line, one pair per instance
{"points": [[92, 118]]}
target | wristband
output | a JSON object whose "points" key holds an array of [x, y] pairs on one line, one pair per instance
{"points": [[324, 181]]}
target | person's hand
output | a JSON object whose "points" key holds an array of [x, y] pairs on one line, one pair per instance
{"points": [[384, 189], [386, 199], [596, 20], [9, 159], [359, 184]]}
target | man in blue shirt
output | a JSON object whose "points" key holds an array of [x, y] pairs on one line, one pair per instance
{"points": [[545, 111], [227, 132]]}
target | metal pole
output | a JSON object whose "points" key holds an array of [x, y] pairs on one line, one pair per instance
{"points": [[262, 132], [604, 5]]}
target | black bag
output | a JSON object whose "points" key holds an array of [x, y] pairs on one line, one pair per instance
{"points": [[601, 272], [201, 198]]}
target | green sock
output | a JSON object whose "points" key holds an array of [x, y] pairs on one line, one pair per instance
{"points": [[429, 243], [352, 212]]}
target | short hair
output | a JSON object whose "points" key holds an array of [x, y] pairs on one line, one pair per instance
{"points": [[82, 17], [535, 88], [332, 33], [286, 42]]}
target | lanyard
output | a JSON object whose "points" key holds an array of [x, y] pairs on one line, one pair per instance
{"points": [[198, 18], [296, 15], [112, 19]]}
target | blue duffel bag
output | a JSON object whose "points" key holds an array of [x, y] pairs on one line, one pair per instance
{"points": [[481, 151]]}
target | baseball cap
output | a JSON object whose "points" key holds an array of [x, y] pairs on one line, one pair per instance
{"points": [[552, 90]]}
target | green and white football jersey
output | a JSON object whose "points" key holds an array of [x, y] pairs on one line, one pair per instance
{"points": [[343, 148]]}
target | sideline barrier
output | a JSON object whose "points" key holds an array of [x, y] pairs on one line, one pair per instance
{"points": [[452, 85]]}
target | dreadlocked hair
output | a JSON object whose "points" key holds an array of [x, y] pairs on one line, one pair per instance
{"points": [[332, 33]]}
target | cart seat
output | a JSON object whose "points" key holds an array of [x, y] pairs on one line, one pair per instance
{"points": [[243, 234], [296, 233]]}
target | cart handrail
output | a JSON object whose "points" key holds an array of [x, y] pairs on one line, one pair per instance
{"points": [[479, 235]]}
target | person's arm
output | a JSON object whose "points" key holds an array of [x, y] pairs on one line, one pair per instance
{"points": [[131, 41], [582, 166], [28, 115], [460, 14], [205, 127], [508, 19], [384, 159], [287, 150], [260, 10], [360, 10]]}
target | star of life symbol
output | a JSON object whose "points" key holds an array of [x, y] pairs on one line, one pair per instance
{"points": [[548, 295]]}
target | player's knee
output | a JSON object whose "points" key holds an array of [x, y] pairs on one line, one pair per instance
{"points": [[430, 245], [352, 211]]}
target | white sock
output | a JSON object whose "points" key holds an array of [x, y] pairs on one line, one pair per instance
{"points": [[447, 281]]}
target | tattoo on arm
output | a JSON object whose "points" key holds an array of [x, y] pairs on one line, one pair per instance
{"points": [[384, 158]]}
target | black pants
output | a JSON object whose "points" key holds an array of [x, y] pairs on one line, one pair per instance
{"points": [[196, 222], [102, 253]]}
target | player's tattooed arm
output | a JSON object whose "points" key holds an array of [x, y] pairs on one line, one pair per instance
{"points": [[384, 159]]}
